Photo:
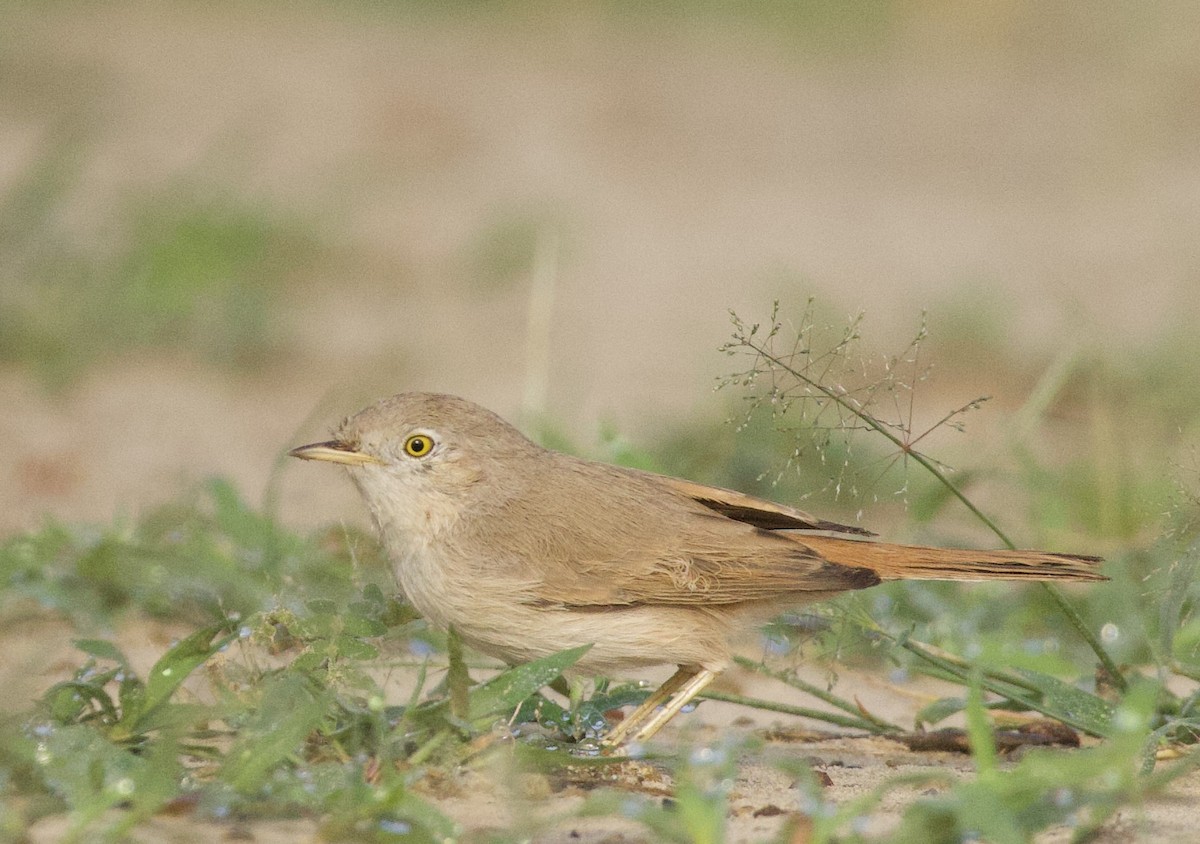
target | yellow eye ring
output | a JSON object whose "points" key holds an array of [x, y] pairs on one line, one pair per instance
{"points": [[418, 445]]}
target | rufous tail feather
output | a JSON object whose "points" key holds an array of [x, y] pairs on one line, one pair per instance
{"points": [[916, 562]]}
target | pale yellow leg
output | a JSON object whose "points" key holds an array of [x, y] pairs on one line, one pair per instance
{"points": [[678, 701], [643, 711], [677, 692]]}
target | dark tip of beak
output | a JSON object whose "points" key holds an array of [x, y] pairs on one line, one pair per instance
{"points": [[305, 452], [333, 451]]}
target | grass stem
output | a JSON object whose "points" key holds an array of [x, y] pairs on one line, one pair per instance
{"points": [[875, 724], [847, 402], [804, 712]]}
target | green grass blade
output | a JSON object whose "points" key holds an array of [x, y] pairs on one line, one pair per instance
{"points": [[504, 693], [1071, 705], [173, 668], [290, 711]]}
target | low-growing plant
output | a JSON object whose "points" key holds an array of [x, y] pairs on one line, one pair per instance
{"points": [[313, 735], [206, 556]]}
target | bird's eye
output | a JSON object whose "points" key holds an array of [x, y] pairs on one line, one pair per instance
{"points": [[418, 445]]}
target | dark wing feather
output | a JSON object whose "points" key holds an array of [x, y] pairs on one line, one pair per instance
{"points": [[754, 511]]}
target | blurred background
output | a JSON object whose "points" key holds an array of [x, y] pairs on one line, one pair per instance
{"points": [[224, 226]]}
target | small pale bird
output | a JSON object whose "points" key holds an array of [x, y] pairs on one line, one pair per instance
{"points": [[526, 551]]}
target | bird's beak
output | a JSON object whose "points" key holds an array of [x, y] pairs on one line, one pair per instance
{"points": [[334, 452]]}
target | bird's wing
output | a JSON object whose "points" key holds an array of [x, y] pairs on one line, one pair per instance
{"points": [[727, 563], [637, 538], [753, 511]]}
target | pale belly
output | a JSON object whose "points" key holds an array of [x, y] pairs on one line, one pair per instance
{"points": [[492, 615]]}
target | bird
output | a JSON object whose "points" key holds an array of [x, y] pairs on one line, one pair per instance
{"points": [[525, 551]]}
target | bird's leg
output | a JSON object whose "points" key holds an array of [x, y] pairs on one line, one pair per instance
{"points": [[643, 711], [692, 687], [681, 687]]}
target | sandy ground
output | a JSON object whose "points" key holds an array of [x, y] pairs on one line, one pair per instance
{"points": [[492, 795], [1038, 161]]}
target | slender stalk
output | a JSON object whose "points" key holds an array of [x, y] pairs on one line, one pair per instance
{"points": [[788, 709], [948, 670], [844, 401], [821, 694], [414, 699], [957, 674], [458, 682], [426, 750], [1110, 666], [959, 664], [959, 671]]}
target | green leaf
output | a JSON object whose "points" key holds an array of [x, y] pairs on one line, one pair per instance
{"points": [[87, 771], [1070, 705], [701, 813], [290, 711], [158, 779], [589, 718], [372, 593], [505, 692], [361, 626], [979, 731], [307, 662], [102, 649], [131, 695], [68, 701], [350, 648], [458, 680], [940, 710], [410, 806], [173, 668], [943, 708], [175, 715]]}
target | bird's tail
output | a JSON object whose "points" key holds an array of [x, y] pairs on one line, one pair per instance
{"points": [[916, 562]]}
